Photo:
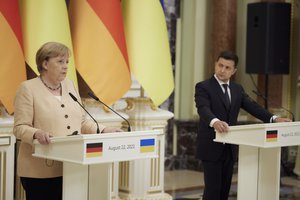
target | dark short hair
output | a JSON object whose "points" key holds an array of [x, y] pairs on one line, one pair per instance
{"points": [[229, 55]]}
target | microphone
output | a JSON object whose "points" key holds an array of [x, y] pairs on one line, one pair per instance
{"points": [[293, 117], [259, 94], [97, 99], [264, 98], [75, 99]]}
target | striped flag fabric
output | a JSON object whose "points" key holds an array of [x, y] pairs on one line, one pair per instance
{"points": [[148, 47], [12, 70], [94, 150], [147, 145], [45, 21], [100, 48], [271, 136]]}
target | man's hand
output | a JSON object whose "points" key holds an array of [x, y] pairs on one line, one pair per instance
{"points": [[221, 126], [280, 119], [42, 136]]}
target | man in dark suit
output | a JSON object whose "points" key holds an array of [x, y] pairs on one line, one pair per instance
{"points": [[218, 102]]}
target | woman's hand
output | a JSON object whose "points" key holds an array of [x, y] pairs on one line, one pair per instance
{"points": [[42, 136], [111, 130]]}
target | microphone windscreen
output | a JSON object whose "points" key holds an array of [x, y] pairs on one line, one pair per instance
{"points": [[73, 97]]}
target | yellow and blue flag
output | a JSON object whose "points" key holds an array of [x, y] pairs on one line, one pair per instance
{"points": [[147, 145], [148, 47]]}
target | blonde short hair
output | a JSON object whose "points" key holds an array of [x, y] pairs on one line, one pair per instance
{"points": [[50, 50]]}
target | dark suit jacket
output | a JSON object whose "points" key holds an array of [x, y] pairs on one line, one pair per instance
{"points": [[210, 103]]}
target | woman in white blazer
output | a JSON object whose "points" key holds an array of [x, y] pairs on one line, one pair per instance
{"points": [[44, 109]]}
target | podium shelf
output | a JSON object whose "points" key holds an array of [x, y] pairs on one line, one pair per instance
{"points": [[101, 148], [262, 135]]}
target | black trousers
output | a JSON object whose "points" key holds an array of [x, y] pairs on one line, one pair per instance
{"points": [[217, 176], [42, 188]]}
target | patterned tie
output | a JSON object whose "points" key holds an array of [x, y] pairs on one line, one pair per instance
{"points": [[227, 100]]}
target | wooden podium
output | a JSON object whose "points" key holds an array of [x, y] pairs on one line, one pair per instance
{"points": [[259, 156], [87, 159]]}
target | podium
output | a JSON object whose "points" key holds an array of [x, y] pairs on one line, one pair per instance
{"points": [[259, 156], [87, 159], [7, 153]]}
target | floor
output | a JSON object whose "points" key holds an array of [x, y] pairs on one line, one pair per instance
{"points": [[188, 185]]}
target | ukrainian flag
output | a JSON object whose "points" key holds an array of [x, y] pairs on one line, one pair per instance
{"points": [[147, 145], [148, 47]]}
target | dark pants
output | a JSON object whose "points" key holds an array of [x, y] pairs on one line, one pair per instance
{"points": [[42, 188], [217, 176]]}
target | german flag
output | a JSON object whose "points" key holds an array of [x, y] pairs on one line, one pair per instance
{"points": [[99, 47], [94, 150], [271, 136], [12, 61], [147, 145], [45, 21]]}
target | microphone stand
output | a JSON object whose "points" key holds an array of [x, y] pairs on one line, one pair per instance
{"points": [[266, 99], [266, 91], [97, 99], [75, 99]]}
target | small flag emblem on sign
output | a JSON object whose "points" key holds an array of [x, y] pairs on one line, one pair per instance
{"points": [[147, 145], [94, 150], [271, 136]]}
